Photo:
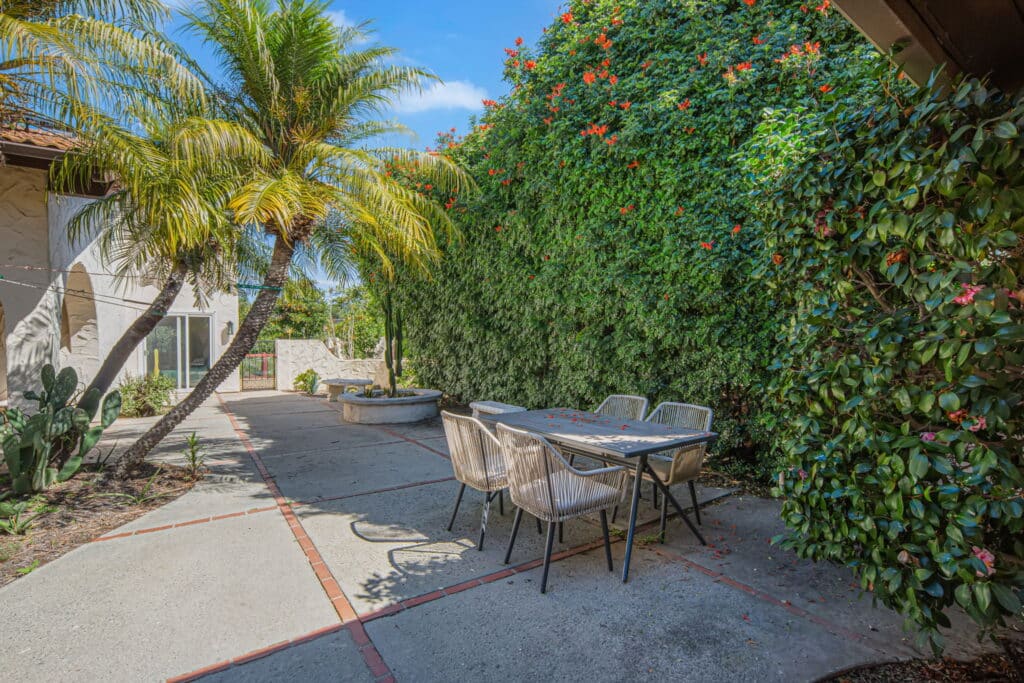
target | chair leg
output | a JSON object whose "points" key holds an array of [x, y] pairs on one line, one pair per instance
{"points": [[607, 540], [561, 526], [515, 530], [488, 497], [615, 513], [547, 557], [664, 519], [654, 497], [458, 499], [539, 531], [501, 503], [693, 497]]}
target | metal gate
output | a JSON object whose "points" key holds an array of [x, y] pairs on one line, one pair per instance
{"points": [[259, 368]]}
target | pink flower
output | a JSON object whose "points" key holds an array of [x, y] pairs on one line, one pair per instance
{"points": [[802, 474], [979, 424], [927, 436], [968, 294], [987, 558]]}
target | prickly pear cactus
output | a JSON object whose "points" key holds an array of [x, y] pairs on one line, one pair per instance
{"points": [[49, 446]]}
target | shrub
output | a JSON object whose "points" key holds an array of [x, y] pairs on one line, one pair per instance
{"points": [[897, 244], [611, 245], [307, 381], [146, 395], [49, 446]]}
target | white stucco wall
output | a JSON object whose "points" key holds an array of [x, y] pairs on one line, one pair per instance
{"points": [[295, 356], [35, 251]]}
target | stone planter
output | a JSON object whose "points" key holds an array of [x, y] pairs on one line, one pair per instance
{"points": [[422, 405]]}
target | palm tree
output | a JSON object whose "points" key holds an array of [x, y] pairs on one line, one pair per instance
{"points": [[167, 218], [62, 62], [310, 92]]}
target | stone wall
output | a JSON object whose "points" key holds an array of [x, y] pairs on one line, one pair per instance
{"points": [[295, 356]]}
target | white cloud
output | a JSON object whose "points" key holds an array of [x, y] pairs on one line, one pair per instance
{"points": [[450, 95], [339, 18]]}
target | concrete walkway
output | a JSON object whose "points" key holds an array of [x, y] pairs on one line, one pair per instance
{"points": [[317, 551]]}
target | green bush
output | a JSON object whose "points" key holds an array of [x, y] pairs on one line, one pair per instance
{"points": [[897, 246], [50, 445], [611, 245], [307, 381], [146, 395]]}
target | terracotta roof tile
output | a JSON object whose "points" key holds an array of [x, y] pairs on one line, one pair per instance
{"points": [[38, 138]]}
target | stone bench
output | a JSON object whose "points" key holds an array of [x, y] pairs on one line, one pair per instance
{"points": [[337, 387], [493, 408]]}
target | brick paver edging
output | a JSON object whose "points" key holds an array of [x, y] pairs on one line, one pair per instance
{"points": [[374, 662]]}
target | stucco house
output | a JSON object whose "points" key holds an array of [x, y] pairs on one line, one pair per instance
{"points": [[60, 303]]}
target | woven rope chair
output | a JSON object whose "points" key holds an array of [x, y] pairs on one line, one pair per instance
{"points": [[479, 463], [684, 464], [542, 483], [621, 405]]}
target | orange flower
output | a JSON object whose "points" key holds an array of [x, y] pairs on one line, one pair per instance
{"points": [[750, 3], [497, 228], [684, 105], [707, 245], [679, 211], [758, 40], [567, 18], [825, 88], [602, 41], [744, 66], [823, 7], [703, 59], [519, 41], [626, 105], [612, 140], [613, 79], [530, 64], [511, 53], [547, 120], [606, 63], [646, 65], [626, 209], [589, 77], [633, 164], [736, 228], [777, 259]]}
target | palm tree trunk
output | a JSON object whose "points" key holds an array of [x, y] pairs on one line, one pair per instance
{"points": [[245, 338], [138, 331]]}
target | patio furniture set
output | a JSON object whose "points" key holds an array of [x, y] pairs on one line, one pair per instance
{"points": [[533, 454]]}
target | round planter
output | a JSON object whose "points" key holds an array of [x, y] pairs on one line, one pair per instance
{"points": [[422, 405]]}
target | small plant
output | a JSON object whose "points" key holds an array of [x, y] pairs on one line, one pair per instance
{"points": [[143, 497], [308, 381], [49, 446], [29, 569], [13, 518], [146, 396], [195, 456]]}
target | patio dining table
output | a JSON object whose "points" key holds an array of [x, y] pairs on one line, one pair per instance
{"points": [[613, 440]]}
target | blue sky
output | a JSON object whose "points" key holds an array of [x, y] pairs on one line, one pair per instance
{"points": [[459, 40]]}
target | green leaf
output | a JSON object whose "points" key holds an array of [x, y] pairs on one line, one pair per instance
{"points": [[919, 465], [1006, 597], [1005, 130], [878, 178], [949, 401]]}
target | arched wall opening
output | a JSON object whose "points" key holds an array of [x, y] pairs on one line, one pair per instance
{"points": [[79, 333]]}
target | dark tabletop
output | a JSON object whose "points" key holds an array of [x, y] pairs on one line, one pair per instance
{"points": [[600, 433]]}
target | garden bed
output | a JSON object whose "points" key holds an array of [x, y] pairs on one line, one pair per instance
{"points": [[1005, 666], [82, 510]]}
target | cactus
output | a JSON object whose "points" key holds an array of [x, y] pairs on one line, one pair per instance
{"points": [[50, 445], [392, 343]]}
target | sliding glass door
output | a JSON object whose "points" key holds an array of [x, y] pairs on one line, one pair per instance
{"points": [[180, 347]]}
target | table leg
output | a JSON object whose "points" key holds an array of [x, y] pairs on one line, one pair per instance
{"points": [[641, 465], [679, 510]]}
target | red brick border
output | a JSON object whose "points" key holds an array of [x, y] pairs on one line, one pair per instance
{"points": [[178, 525], [374, 662], [411, 440]]}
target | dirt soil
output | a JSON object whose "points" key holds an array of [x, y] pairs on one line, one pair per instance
{"points": [[1006, 666], [81, 509]]}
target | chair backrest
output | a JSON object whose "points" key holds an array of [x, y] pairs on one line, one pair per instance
{"points": [[533, 464], [686, 462], [477, 456], [684, 415], [621, 405]]}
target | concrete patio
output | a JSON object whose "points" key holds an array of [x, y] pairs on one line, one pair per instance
{"points": [[317, 551]]}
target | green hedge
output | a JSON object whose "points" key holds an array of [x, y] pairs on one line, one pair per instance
{"points": [[581, 270], [897, 244]]}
